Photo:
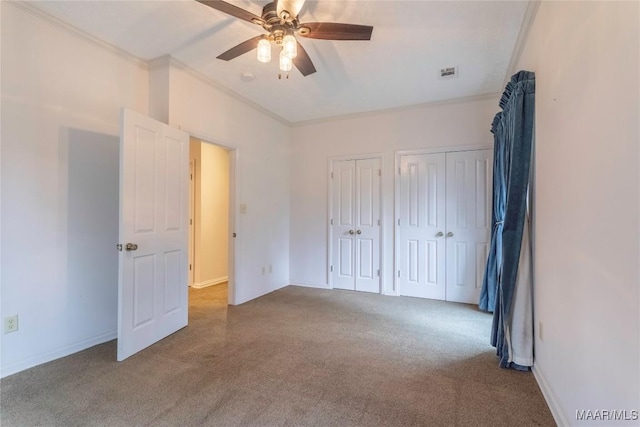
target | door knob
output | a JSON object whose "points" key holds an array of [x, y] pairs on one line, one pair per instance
{"points": [[449, 234], [131, 246], [359, 232], [439, 234], [351, 232]]}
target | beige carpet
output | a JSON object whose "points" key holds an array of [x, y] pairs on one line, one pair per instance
{"points": [[294, 357]]}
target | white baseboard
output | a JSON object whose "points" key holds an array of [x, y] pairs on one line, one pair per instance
{"points": [[210, 282], [30, 362], [326, 286], [552, 401], [260, 293], [311, 285]]}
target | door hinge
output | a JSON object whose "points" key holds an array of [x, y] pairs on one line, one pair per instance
{"points": [[331, 175], [191, 177], [398, 222], [398, 273], [378, 222], [331, 221], [379, 172], [190, 222], [378, 273], [332, 268], [399, 171], [234, 234], [189, 267]]}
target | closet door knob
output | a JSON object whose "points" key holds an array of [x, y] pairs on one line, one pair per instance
{"points": [[351, 232], [449, 234], [359, 232], [440, 234]]}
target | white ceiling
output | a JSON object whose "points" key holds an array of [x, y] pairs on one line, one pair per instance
{"points": [[399, 66]]}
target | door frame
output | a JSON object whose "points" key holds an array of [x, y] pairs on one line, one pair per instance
{"points": [[192, 220], [331, 160], [234, 158], [396, 194]]}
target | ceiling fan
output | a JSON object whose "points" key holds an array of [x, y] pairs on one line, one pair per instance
{"points": [[280, 20]]}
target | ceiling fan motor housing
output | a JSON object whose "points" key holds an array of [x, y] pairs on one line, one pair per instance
{"points": [[280, 26]]}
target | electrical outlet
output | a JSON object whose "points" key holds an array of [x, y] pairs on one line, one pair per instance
{"points": [[10, 323]]}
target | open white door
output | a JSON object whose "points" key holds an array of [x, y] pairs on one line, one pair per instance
{"points": [[152, 284]]}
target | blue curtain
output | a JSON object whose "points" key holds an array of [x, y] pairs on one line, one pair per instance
{"points": [[513, 141], [494, 261]]}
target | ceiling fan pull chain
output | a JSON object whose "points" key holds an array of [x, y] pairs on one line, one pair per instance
{"points": [[279, 19]]}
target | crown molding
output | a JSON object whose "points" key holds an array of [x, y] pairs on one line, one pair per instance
{"points": [[168, 60], [163, 61], [50, 19], [431, 104], [523, 35], [155, 63]]}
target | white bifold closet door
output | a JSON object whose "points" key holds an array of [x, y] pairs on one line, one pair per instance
{"points": [[444, 224], [355, 225]]}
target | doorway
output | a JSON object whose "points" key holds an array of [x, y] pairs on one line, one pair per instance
{"points": [[210, 257], [154, 231]]}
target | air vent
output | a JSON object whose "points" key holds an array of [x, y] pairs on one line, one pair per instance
{"points": [[448, 73]]}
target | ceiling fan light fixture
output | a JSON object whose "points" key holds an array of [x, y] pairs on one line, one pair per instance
{"points": [[290, 46], [286, 64], [264, 50], [280, 20]]}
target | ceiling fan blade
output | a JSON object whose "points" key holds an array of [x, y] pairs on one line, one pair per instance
{"points": [[238, 50], [291, 6], [335, 31], [232, 10], [303, 62]]}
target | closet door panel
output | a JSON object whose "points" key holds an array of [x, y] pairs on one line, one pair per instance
{"points": [[421, 226], [344, 221], [468, 206], [355, 231], [367, 237]]}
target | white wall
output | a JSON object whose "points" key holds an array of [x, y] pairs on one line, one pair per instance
{"points": [[212, 254], [431, 126], [585, 56], [61, 100], [261, 146]]}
